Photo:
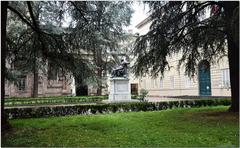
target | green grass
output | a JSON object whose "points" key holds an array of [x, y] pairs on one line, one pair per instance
{"points": [[205, 126]]}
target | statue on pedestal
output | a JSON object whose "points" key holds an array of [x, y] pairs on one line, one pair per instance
{"points": [[121, 71]]}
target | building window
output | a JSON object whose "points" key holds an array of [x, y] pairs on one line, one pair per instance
{"points": [[188, 82], [134, 89], [155, 83], [52, 73], [40, 79], [152, 83], [225, 78], [172, 81], [144, 84], [21, 83], [161, 83], [64, 81]]}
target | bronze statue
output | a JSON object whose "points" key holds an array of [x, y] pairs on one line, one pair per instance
{"points": [[121, 71]]}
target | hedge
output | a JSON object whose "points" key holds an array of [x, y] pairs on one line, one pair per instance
{"points": [[36, 112], [53, 100]]}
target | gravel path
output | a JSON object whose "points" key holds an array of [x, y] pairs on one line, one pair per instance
{"points": [[166, 99], [46, 105]]}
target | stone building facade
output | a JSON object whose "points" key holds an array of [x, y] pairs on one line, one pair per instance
{"points": [[56, 86], [214, 82]]}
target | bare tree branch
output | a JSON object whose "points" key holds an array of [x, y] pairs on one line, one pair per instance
{"points": [[80, 11], [21, 17], [32, 16]]}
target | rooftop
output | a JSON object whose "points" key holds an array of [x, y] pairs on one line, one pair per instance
{"points": [[142, 23]]}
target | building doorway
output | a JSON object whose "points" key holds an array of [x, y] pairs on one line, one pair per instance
{"points": [[134, 89], [82, 90], [204, 78]]}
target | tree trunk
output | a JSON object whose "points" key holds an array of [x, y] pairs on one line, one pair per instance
{"points": [[35, 83], [99, 89], [232, 21], [4, 123], [35, 77], [98, 61], [233, 58]]}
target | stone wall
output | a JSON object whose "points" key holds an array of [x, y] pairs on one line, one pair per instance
{"points": [[46, 87]]}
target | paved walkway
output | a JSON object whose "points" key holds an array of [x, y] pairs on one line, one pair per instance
{"points": [[46, 105], [166, 99]]}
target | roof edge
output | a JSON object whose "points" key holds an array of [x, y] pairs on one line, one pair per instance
{"points": [[142, 23]]}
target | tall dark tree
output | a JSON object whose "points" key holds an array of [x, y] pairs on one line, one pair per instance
{"points": [[39, 37], [102, 32], [182, 27], [4, 123], [23, 50], [33, 47]]}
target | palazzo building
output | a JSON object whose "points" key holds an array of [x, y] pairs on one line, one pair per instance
{"points": [[211, 79]]}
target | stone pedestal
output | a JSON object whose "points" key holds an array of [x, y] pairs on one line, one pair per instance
{"points": [[119, 90]]}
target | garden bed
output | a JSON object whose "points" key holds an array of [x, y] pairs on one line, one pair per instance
{"points": [[46, 111]]}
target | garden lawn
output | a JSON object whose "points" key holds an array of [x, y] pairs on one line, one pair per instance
{"points": [[205, 126]]}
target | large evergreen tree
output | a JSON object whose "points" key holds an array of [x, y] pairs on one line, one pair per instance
{"points": [[26, 45], [4, 123], [33, 37], [182, 27], [23, 52], [102, 32]]}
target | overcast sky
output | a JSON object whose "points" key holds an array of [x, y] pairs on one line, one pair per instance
{"points": [[139, 14]]}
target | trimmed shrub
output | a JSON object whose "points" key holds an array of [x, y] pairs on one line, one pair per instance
{"points": [[36, 112], [134, 97], [53, 100], [143, 94]]}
